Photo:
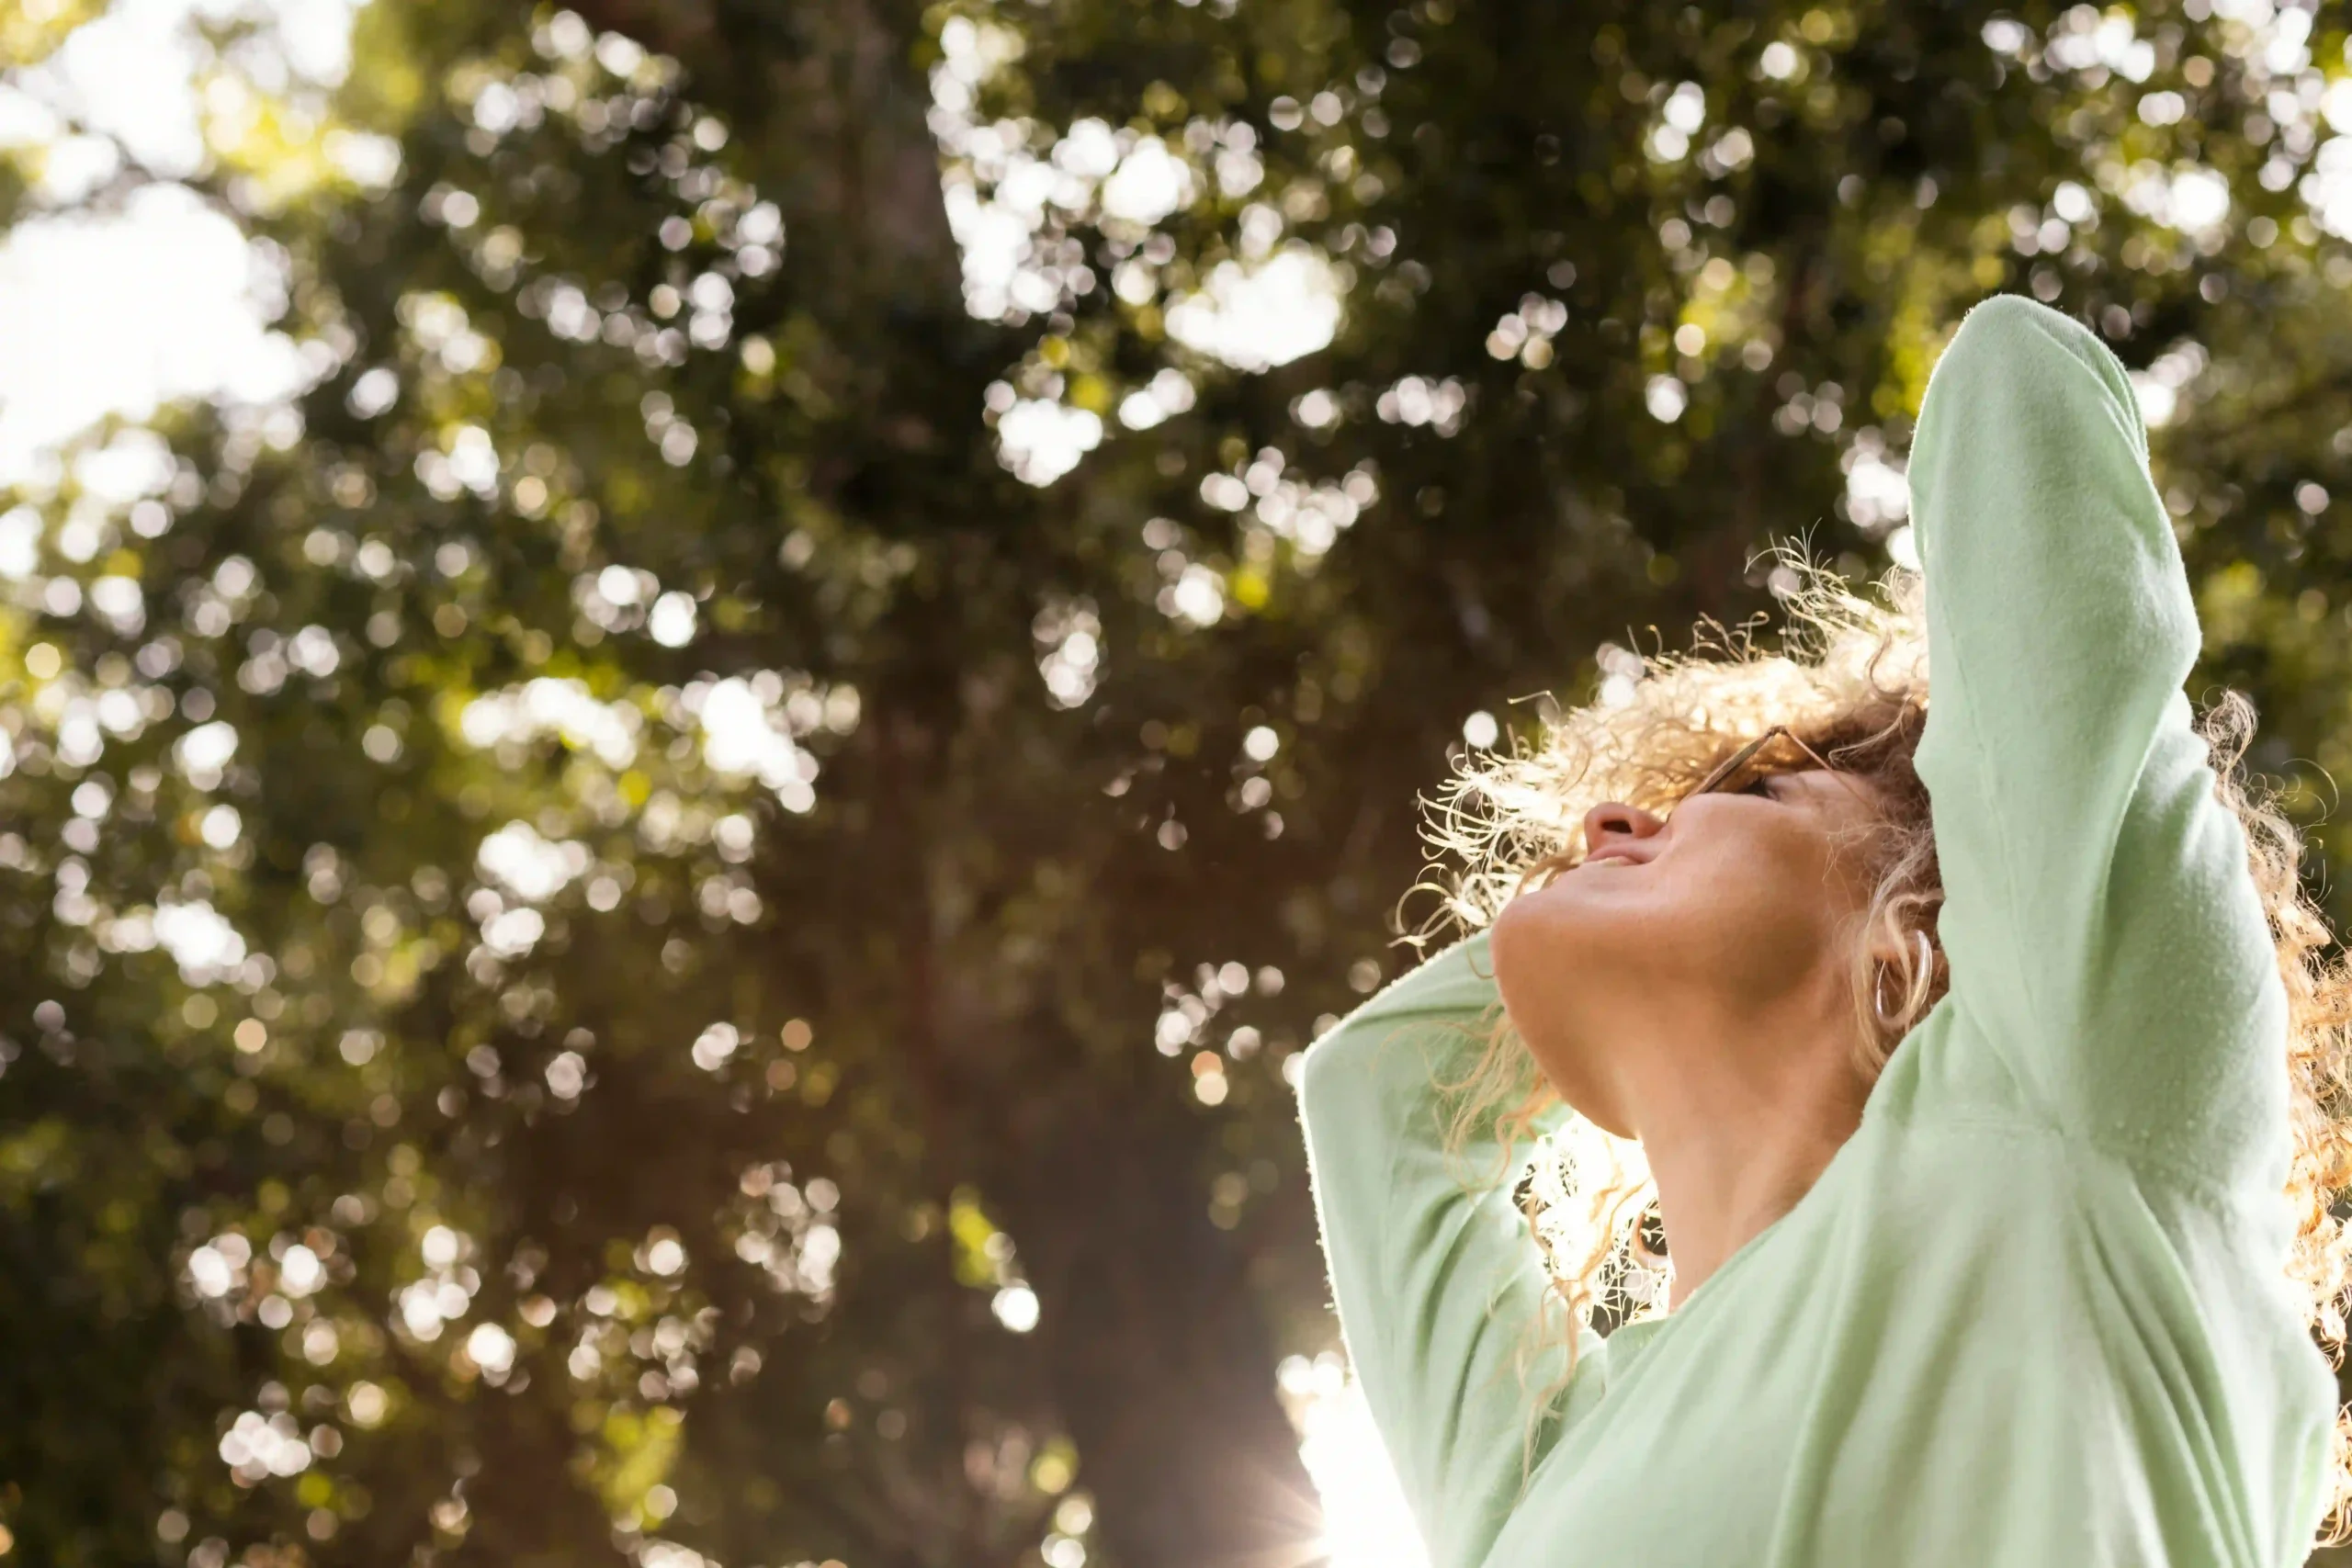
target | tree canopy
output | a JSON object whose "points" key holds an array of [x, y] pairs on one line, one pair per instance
{"points": [[668, 919]]}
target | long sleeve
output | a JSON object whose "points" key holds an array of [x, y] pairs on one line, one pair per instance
{"points": [[1438, 1285], [2101, 923]]}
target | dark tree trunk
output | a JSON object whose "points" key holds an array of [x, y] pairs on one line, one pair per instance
{"points": [[1159, 1357]]}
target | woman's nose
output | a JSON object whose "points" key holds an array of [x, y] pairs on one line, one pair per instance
{"points": [[1613, 821]]}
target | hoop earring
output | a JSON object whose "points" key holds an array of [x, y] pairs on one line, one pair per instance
{"points": [[1921, 974]]}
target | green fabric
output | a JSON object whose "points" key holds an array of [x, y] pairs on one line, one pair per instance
{"points": [[2032, 1313]]}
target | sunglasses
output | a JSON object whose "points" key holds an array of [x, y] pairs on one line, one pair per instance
{"points": [[1731, 765]]}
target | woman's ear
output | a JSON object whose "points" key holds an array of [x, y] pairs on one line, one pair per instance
{"points": [[1886, 941]]}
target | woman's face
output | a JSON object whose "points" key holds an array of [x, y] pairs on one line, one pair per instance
{"points": [[1679, 930]]}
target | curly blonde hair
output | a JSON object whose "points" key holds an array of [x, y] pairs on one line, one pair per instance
{"points": [[1849, 679]]}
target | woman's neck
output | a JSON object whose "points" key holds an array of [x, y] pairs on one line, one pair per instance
{"points": [[1732, 1147]]}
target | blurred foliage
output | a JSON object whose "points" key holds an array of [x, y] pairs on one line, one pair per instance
{"points": [[667, 919]]}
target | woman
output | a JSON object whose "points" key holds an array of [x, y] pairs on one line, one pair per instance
{"points": [[1980, 1145]]}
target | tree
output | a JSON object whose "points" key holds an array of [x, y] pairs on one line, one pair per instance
{"points": [[671, 921]]}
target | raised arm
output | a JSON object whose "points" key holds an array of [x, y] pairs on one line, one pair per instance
{"points": [[1439, 1286], [2101, 923]]}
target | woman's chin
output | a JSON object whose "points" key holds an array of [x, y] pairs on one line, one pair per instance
{"points": [[1548, 924], [1539, 943]]}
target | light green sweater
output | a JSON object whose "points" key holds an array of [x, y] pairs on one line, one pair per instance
{"points": [[2032, 1314]]}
